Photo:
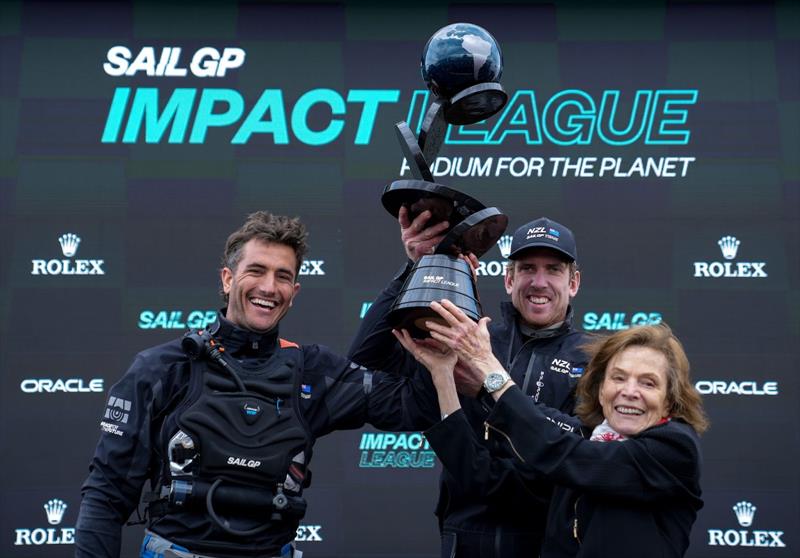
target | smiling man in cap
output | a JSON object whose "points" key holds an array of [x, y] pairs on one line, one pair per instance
{"points": [[483, 511]]}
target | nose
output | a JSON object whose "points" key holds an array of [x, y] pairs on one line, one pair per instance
{"points": [[539, 280], [630, 389], [267, 283]]}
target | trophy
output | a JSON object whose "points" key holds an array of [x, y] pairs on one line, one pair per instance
{"points": [[461, 64]]}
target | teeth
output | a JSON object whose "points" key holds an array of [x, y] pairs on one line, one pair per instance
{"points": [[629, 411], [539, 299], [263, 302]]}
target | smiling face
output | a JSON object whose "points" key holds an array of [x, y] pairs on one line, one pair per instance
{"points": [[633, 394], [262, 286], [541, 287]]}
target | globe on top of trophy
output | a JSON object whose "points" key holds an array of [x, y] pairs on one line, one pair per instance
{"points": [[462, 65]]}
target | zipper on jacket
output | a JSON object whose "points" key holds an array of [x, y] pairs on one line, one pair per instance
{"points": [[575, 521], [510, 443]]}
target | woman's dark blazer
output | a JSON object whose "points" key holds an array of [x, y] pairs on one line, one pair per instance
{"points": [[636, 498]]}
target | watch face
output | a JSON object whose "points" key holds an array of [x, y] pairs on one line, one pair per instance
{"points": [[494, 381]]}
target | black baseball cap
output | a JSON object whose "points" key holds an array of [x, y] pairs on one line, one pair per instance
{"points": [[544, 233]]}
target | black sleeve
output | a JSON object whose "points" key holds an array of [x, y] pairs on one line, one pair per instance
{"points": [[120, 465], [480, 473], [374, 346], [658, 464], [346, 395]]}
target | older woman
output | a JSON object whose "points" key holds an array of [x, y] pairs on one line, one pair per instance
{"points": [[629, 486]]}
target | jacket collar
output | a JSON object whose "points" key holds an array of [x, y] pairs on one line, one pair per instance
{"points": [[240, 342]]}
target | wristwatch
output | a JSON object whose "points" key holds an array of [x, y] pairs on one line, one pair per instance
{"points": [[495, 380]]}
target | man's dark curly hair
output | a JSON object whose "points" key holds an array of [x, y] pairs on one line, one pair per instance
{"points": [[266, 227]]}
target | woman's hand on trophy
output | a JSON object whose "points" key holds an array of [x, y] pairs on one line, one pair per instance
{"points": [[433, 355], [418, 239], [470, 340], [439, 360]]}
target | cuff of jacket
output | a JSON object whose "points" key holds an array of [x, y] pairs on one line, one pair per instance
{"points": [[448, 431], [513, 403]]}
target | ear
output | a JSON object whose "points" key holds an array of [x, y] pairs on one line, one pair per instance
{"points": [[508, 280], [226, 276], [295, 290], [574, 284]]}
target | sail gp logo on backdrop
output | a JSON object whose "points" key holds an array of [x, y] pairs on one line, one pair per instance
{"points": [[69, 243], [745, 514], [729, 246], [54, 510]]}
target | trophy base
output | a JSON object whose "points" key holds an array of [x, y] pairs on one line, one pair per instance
{"points": [[413, 320], [420, 323], [434, 278]]}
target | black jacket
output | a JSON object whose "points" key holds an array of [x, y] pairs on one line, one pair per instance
{"points": [[623, 499], [501, 507], [336, 395]]}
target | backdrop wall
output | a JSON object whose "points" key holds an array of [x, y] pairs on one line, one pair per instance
{"points": [[654, 130]]}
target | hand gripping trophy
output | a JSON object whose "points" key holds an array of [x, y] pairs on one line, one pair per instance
{"points": [[461, 64]]}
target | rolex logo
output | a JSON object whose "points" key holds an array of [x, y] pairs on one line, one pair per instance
{"points": [[55, 510], [729, 269], [69, 247], [742, 536], [505, 244], [69, 244], [28, 536], [744, 513], [496, 268], [729, 245]]}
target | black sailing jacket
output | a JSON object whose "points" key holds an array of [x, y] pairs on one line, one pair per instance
{"points": [[336, 395], [502, 514]]}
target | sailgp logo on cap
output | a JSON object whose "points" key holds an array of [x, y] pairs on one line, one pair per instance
{"points": [[536, 232], [543, 232]]}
